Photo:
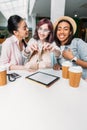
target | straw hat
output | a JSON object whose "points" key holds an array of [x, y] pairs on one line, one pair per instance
{"points": [[73, 23]]}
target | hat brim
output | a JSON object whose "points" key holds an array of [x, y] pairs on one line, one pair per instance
{"points": [[73, 23]]}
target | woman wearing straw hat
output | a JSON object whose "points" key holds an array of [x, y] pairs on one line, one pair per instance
{"points": [[72, 49]]}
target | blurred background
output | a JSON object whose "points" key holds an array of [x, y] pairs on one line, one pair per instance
{"points": [[34, 10]]}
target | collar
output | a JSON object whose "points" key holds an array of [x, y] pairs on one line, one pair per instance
{"points": [[15, 39]]}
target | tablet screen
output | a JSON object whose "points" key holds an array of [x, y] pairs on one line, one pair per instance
{"points": [[43, 78]]}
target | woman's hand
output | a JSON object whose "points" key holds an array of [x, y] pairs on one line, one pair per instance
{"points": [[32, 47], [67, 54], [49, 46], [56, 67], [46, 46]]}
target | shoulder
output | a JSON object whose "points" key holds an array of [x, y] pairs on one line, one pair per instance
{"points": [[78, 40], [10, 39], [80, 45], [7, 41]]}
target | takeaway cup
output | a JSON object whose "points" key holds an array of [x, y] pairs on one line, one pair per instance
{"points": [[3, 77], [65, 69], [75, 73]]}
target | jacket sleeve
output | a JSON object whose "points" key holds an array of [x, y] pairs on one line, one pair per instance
{"points": [[82, 50]]}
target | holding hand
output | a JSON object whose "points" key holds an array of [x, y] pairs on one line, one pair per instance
{"points": [[67, 54], [56, 67], [32, 47], [46, 46], [50, 47]]}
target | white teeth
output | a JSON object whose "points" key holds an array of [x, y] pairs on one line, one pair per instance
{"points": [[62, 36]]}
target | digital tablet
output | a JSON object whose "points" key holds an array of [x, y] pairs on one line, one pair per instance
{"points": [[43, 78]]}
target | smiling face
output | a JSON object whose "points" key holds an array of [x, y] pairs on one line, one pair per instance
{"points": [[63, 32], [43, 32]]}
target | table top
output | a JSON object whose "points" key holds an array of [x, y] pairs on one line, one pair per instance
{"points": [[26, 105]]}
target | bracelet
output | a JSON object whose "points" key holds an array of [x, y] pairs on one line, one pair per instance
{"points": [[74, 59]]}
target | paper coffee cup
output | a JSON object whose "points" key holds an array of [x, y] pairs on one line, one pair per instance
{"points": [[3, 77], [75, 74], [65, 69]]}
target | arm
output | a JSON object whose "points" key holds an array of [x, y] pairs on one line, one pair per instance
{"points": [[17, 67], [56, 50], [31, 46], [52, 48], [81, 63], [5, 53], [67, 54]]}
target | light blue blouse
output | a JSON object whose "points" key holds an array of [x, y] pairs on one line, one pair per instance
{"points": [[79, 49]]}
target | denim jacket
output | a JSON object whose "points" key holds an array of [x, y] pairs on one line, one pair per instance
{"points": [[79, 49]]}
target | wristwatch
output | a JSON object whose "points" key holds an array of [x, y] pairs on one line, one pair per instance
{"points": [[74, 60]]}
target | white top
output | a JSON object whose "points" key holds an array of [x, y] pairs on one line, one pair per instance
{"points": [[26, 105], [11, 53]]}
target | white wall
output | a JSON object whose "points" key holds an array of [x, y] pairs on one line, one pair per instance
{"points": [[57, 9]]}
